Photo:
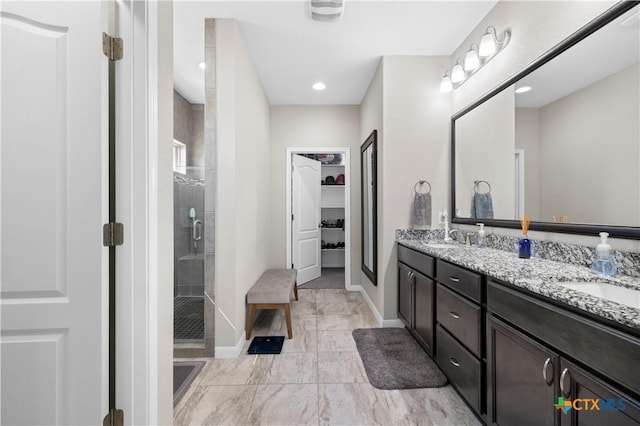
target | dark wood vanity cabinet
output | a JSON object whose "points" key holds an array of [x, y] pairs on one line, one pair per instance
{"points": [[416, 295], [522, 378], [510, 353], [578, 384], [546, 352]]}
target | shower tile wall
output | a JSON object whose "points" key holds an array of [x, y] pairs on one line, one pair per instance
{"points": [[210, 175]]}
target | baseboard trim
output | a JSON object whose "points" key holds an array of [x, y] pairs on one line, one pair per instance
{"points": [[231, 351], [393, 323], [372, 306]]}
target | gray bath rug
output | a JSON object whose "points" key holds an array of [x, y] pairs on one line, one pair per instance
{"points": [[394, 360], [183, 375]]}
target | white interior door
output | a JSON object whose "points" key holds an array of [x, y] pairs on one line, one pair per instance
{"points": [[53, 204], [306, 192]]}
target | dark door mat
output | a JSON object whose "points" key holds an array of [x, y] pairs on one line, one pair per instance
{"points": [[393, 359], [266, 345], [183, 375]]}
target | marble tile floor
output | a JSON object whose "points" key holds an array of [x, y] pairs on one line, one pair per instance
{"points": [[318, 379]]}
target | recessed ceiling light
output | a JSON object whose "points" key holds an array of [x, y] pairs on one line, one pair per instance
{"points": [[202, 65], [319, 86], [523, 89]]}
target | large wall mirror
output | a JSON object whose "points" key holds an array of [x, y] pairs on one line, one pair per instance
{"points": [[369, 211], [565, 152]]}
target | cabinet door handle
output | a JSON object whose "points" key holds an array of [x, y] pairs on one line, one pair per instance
{"points": [[454, 361], [454, 314], [454, 279], [409, 273], [544, 372], [563, 391]]}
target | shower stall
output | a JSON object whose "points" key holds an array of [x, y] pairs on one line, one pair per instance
{"points": [[189, 255]]}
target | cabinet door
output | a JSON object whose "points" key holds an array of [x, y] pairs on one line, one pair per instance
{"points": [[405, 294], [582, 388], [424, 310], [522, 383]]}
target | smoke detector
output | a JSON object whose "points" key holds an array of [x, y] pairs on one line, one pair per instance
{"points": [[326, 10]]}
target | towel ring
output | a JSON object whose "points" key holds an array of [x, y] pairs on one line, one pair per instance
{"points": [[422, 182], [476, 184]]}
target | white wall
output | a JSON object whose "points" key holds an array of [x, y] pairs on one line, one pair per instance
{"points": [[371, 119], [311, 127], [589, 150], [528, 139], [485, 151], [412, 145], [242, 204]]}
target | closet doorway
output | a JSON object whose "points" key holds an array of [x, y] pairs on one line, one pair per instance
{"points": [[318, 212]]}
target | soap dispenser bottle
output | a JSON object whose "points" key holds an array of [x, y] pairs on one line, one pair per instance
{"points": [[604, 263], [482, 242]]}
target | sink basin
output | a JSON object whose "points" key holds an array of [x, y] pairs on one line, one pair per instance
{"points": [[441, 245], [622, 295]]}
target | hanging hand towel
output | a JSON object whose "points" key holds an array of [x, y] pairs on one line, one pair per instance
{"points": [[482, 205], [422, 210]]}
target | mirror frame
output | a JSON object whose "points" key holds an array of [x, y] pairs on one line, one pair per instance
{"points": [[628, 232], [372, 140]]}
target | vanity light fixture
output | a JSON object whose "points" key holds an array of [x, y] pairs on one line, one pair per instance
{"points": [[319, 86], [445, 85], [471, 59], [523, 89], [475, 58], [457, 73]]}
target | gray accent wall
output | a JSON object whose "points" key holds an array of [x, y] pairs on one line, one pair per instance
{"points": [[188, 128]]}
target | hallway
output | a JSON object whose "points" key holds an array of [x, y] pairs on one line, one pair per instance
{"points": [[317, 379]]}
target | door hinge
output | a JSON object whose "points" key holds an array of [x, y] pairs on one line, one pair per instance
{"points": [[292, 266], [292, 217], [115, 417], [112, 234], [112, 47]]}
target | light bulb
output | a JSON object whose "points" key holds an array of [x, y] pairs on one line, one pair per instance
{"points": [[487, 44], [471, 60], [457, 74], [523, 89], [445, 85], [319, 86]]}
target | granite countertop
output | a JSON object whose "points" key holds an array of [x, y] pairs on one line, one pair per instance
{"points": [[538, 276]]}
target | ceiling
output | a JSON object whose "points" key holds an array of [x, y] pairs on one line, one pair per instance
{"points": [[291, 52]]}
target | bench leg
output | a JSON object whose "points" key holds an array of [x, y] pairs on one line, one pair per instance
{"points": [[252, 311], [295, 289], [287, 315]]}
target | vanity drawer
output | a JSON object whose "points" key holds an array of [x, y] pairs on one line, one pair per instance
{"points": [[418, 261], [461, 368], [461, 280], [462, 318]]}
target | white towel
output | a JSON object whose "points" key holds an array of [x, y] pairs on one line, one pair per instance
{"points": [[421, 211]]}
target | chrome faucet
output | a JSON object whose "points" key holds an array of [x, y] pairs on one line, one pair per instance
{"points": [[462, 236]]}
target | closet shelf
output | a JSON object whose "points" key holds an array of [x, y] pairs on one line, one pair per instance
{"points": [[339, 249]]}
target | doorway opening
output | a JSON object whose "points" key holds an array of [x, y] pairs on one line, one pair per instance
{"points": [[317, 214]]}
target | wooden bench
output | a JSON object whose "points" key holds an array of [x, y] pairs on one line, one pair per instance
{"points": [[274, 290]]}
